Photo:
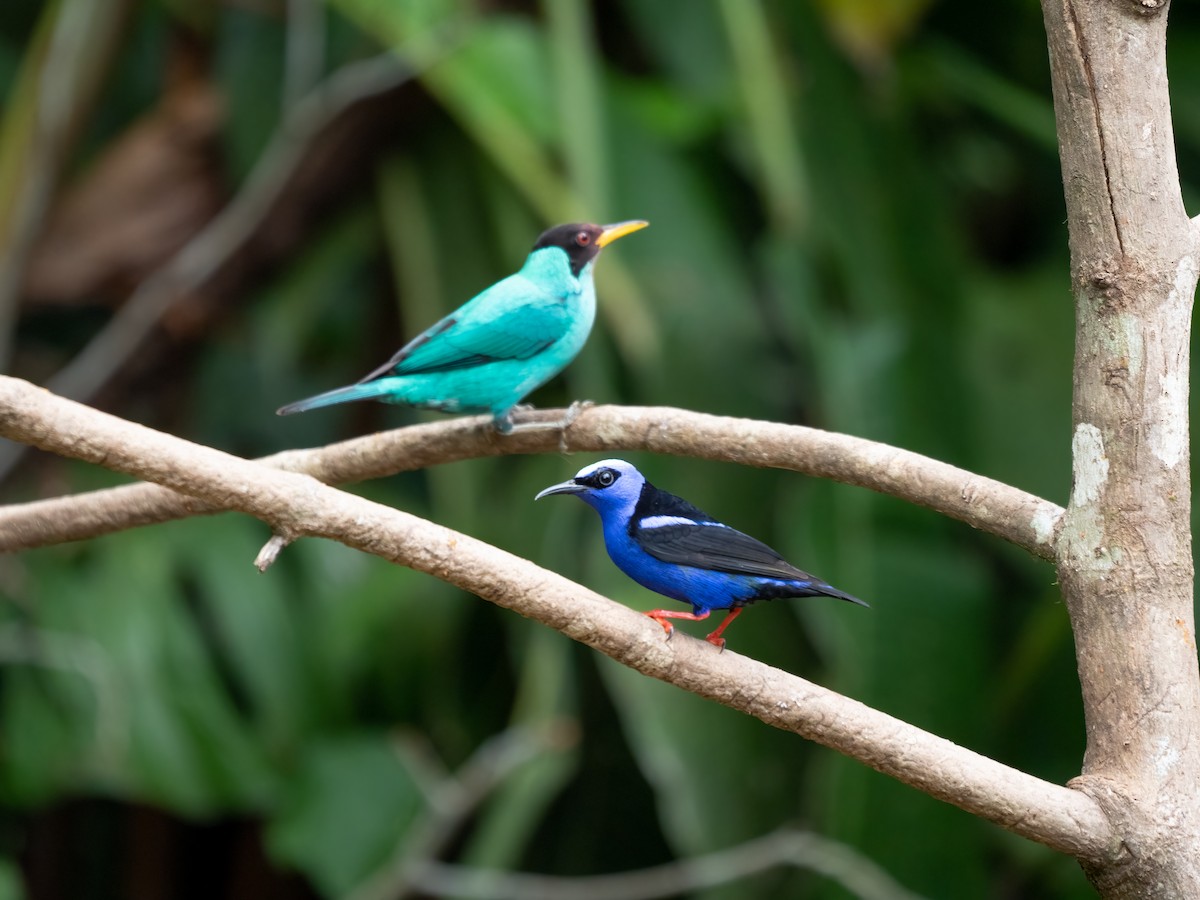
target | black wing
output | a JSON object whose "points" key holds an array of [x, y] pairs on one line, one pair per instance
{"points": [[704, 543], [722, 549], [716, 547]]}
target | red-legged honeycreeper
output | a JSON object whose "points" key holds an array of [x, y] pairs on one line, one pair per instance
{"points": [[501, 344], [664, 543]]}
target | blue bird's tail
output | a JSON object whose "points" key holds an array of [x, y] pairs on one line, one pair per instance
{"points": [[779, 589], [366, 391], [828, 590]]}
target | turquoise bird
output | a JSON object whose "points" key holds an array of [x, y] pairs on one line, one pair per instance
{"points": [[501, 344]]}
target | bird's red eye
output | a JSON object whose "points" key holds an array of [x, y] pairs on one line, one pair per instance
{"points": [[583, 239]]}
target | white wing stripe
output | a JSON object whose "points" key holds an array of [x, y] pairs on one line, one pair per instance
{"points": [[662, 521]]}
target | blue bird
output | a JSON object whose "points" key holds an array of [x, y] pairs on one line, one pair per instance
{"points": [[664, 543], [503, 343]]}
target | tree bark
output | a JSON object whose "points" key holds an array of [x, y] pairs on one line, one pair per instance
{"points": [[1124, 552]]}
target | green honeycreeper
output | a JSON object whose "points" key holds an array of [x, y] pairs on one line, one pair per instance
{"points": [[501, 344]]}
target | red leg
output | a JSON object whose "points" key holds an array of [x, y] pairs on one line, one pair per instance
{"points": [[715, 638], [661, 615]]}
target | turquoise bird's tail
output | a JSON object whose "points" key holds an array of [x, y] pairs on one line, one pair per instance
{"points": [[366, 391]]}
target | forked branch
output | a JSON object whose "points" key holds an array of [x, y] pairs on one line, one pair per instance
{"points": [[296, 505]]}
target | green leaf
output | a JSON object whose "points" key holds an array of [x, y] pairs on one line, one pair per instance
{"points": [[348, 806], [11, 887]]}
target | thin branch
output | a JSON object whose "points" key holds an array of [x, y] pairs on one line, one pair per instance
{"points": [[983, 503], [81, 44], [237, 225], [304, 56], [452, 799], [1059, 817], [270, 551], [855, 873], [232, 228]]}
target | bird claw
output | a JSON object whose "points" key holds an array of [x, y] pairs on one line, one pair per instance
{"points": [[506, 426], [573, 411], [714, 639], [666, 626]]}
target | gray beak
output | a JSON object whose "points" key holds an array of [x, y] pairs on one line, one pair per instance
{"points": [[566, 487]]}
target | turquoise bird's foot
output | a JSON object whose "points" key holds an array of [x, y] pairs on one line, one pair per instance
{"points": [[573, 411], [505, 424]]}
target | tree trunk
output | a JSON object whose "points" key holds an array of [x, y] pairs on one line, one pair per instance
{"points": [[1124, 550]]}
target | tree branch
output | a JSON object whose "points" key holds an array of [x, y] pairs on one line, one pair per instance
{"points": [[983, 503], [452, 798], [1125, 556], [853, 872], [294, 504]]}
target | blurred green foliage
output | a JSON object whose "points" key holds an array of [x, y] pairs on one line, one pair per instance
{"points": [[857, 224]]}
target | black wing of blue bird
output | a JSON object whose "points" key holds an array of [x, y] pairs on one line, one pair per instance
{"points": [[724, 549]]}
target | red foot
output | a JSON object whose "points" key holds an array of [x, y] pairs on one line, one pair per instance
{"points": [[662, 615], [715, 638]]}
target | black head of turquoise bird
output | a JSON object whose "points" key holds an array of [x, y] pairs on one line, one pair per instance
{"points": [[582, 241], [503, 343]]}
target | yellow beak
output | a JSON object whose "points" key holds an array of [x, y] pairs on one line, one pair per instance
{"points": [[619, 230]]}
